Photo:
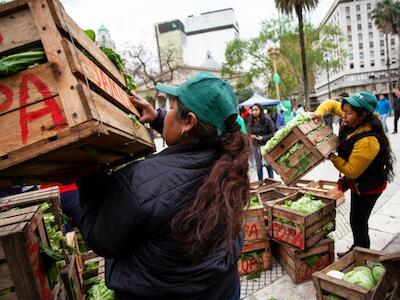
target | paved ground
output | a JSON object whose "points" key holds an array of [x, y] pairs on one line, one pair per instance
{"points": [[384, 233]]}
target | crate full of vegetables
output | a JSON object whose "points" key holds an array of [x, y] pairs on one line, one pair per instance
{"points": [[253, 224], [27, 262], [300, 265], [299, 147], [301, 220], [255, 258], [64, 101], [268, 195], [361, 274], [93, 270]]}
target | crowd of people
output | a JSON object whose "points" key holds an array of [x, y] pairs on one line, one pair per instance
{"points": [[169, 226]]}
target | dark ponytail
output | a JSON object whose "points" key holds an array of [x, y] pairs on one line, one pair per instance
{"points": [[388, 158], [213, 217]]}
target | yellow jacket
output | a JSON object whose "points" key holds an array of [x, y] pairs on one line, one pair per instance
{"points": [[364, 150]]}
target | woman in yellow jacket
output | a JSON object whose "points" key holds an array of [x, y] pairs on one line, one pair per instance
{"points": [[364, 157]]}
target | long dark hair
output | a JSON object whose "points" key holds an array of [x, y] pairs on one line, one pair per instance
{"points": [[253, 119], [213, 217], [387, 156]]}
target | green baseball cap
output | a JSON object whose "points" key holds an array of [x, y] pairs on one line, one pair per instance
{"points": [[364, 100], [211, 98]]}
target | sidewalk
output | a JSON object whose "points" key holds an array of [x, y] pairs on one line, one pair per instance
{"points": [[384, 228]]}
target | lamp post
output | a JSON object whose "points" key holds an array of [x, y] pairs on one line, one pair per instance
{"points": [[273, 52], [327, 73]]}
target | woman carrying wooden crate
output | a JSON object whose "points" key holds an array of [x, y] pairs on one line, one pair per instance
{"points": [[364, 157], [169, 226]]}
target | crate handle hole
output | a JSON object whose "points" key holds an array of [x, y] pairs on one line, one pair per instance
{"points": [[4, 157], [52, 138], [281, 146]]}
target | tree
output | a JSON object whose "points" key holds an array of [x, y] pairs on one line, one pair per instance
{"points": [[384, 19], [287, 7], [396, 30], [250, 57]]}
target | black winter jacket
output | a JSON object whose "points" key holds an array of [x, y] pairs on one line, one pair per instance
{"points": [[126, 218], [265, 128]]}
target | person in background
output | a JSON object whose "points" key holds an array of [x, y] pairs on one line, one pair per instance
{"points": [[364, 157], [169, 226], [383, 108], [396, 107], [307, 109], [280, 120], [261, 129]]}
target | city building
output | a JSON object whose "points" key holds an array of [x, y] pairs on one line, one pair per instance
{"points": [[171, 42], [207, 33], [103, 38], [365, 64]]}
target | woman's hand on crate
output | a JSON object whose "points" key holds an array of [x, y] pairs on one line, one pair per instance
{"points": [[316, 117], [149, 114]]}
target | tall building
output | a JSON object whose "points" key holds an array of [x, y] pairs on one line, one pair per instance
{"points": [[365, 64], [209, 33], [171, 41], [103, 38]]}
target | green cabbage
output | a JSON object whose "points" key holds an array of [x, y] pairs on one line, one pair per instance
{"points": [[306, 204], [377, 271], [361, 276]]}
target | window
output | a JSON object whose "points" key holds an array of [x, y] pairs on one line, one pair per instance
{"points": [[351, 65], [361, 55], [357, 7], [361, 65], [383, 62], [359, 27], [360, 46], [370, 35], [380, 34], [349, 28], [360, 36], [391, 41], [368, 5], [372, 63], [381, 43], [348, 10], [371, 44], [369, 25], [350, 47], [349, 37], [358, 17], [371, 53], [351, 57], [348, 18], [382, 52], [369, 16]]}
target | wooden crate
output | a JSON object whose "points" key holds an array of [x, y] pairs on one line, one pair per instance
{"points": [[271, 194], [301, 183], [253, 224], [22, 231], [387, 288], [50, 195], [71, 278], [97, 273], [295, 262], [287, 190], [260, 260], [305, 230], [314, 150], [76, 256], [267, 183], [326, 188], [67, 114]]}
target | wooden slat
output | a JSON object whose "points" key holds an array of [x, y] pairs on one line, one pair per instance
{"points": [[17, 27], [70, 28], [5, 277], [12, 136], [37, 83], [18, 212], [16, 219]]}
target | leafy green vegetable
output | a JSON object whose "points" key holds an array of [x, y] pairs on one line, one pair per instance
{"points": [[377, 271], [283, 221], [253, 201], [135, 121], [284, 158], [6, 291], [91, 34], [361, 276], [334, 297], [14, 63], [306, 204], [312, 260], [92, 266], [100, 292], [328, 227]]}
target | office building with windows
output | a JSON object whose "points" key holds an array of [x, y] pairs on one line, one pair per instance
{"points": [[365, 64]]}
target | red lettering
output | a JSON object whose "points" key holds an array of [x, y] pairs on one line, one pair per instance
{"points": [[7, 92], [1, 39], [253, 230], [51, 106]]}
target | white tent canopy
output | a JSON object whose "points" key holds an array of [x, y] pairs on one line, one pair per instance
{"points": [[257, 99]]}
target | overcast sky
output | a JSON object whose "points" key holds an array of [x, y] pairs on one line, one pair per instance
{"points": [[133, 21]]}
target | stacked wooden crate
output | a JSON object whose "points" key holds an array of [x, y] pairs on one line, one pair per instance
{"points": [[256, 253], [300, 238], [313, 141], [23, 272], [71, 275], [68, 113], [326, 188], [388, 287], [93, 269]]}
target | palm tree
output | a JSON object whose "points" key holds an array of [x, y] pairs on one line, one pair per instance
{"points": [[287, 7], [396, 30], [383, 15]]}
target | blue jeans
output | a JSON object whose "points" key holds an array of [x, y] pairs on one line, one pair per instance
{"points": [[383, 118]]}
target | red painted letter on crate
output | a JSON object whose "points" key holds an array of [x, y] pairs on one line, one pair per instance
{"points": [[8, 93], [50, 106], [1, 39]]}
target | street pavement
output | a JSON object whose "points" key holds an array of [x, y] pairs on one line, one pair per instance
{"points": [[384, 229]]}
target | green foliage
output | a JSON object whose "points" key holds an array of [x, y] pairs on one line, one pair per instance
{"points": [[250, 56], [288, 6], [100, 292], [306, 204], [14, 63], [91, 34]]}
